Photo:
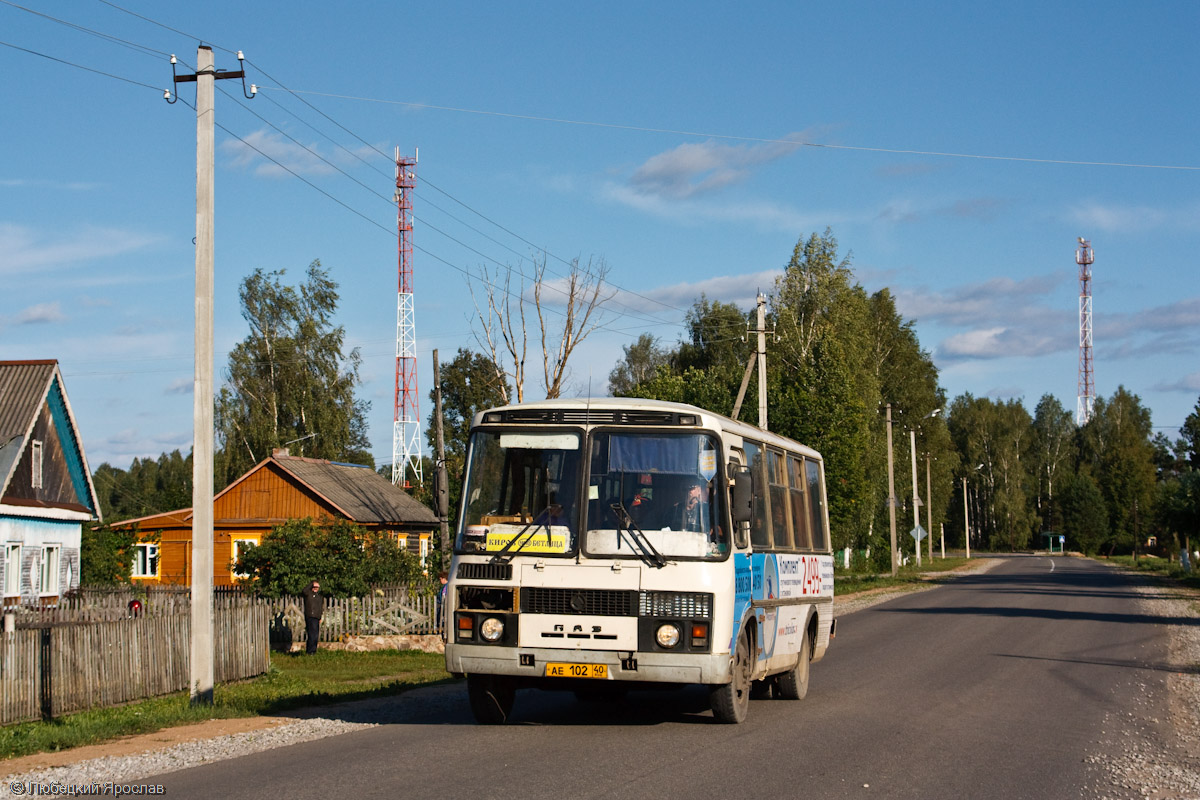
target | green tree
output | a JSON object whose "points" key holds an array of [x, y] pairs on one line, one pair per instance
{"points": [[469, 384], [1053, 454], [289, 379], [1117, 453], [997, 435], [105, 555], [149, 486], [1084, 515], [1190, 433], [642, 359], [347, 559]]}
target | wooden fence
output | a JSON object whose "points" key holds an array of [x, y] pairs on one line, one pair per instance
{"points": [[384, 612], [64, 667]]}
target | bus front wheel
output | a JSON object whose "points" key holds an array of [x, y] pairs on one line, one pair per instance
{"points": [[730, 701], [491, 697]]}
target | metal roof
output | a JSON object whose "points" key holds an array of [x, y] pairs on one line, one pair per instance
{"points": [[360, 492], [23, 386]]}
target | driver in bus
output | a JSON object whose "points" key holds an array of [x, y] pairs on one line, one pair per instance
{"points": [[691, 513]]}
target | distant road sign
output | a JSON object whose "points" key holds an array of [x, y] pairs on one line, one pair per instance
{"points": [[918, 533]]}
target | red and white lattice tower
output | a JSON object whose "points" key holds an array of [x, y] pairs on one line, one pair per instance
{"points": [[406, 423], [1087, 381]]}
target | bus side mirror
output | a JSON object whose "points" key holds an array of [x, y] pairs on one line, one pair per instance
{"points": [[743, 509]]}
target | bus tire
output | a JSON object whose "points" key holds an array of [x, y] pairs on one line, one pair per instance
{"points": [[793, 684], [491, 697], [730, 701]]}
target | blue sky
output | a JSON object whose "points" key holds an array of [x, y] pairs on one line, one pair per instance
{"points": [[697, 176]]}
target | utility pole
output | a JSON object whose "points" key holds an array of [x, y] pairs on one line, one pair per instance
{"points": [[912, 439], [442, 495], [201, 651], [892, 495], [966, 518], [762, 361], [929, 508]]}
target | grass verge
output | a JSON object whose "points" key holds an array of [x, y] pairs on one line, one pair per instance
{"points": [[1157, 566], [850, 583], [293, 681]]}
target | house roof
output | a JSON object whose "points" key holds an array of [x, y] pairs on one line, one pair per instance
{"points": [[25, 386], [359, 492]]}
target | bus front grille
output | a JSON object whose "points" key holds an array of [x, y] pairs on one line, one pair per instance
{"points": [[595, 602], [485, 572]]}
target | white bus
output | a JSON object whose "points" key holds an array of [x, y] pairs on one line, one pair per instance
{"points": [[617, 543]]}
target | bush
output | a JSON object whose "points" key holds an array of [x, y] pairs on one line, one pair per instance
{"points": [[344, 557]]}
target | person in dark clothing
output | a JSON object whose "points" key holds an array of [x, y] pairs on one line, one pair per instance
{"points": [[314, 606]]}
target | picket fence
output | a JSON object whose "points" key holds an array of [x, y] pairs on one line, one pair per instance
{"points": [[66, 667], [384, 612]]}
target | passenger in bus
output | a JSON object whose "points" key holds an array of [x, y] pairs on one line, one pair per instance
{"points": [[641, 508]]}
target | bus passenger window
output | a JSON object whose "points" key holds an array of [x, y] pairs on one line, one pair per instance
{"points": [[759, 533], [798, 490], [780, 527], [816, 505]]}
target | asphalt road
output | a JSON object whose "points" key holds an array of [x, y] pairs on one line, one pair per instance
{"points": [[994, 685]]}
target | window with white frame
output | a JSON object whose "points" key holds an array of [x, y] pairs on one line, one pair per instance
{"points": [[35, 462], [12, 570], [238, 548], [49, 576], [424, 549], [145, 561]]}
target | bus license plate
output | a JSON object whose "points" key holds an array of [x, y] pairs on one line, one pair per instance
{"points": [[554, 670]]}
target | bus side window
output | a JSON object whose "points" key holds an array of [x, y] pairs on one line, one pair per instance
{"points": [[780, 526], [816, 505], [797, 491], [760, 536]]}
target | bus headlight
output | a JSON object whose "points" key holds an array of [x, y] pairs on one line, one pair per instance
{"points": [[667, 635], [491, 629]]}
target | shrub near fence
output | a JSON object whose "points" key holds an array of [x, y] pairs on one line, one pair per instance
{"points": [[68, 667]]}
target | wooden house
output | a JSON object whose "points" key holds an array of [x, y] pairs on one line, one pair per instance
{"points": [[276, 490], [46, 491]]}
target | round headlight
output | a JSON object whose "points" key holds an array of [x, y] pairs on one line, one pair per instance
{"points": [[492, 629], [667, 635]]}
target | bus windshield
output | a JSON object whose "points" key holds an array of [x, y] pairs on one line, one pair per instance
{"points": [[520, 493], [655, 492]]}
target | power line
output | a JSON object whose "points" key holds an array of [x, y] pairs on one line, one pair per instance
{"points": [[80, 66], [757, 139], [108, 37]]}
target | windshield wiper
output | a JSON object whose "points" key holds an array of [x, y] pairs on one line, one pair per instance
{"points": [[648, 553]]}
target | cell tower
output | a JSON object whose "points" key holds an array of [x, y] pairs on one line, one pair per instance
{"points": [[1087, 382], [406, 423]]}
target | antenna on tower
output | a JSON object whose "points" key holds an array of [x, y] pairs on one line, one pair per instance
{"points": [[1087, 382], [406, 423]]}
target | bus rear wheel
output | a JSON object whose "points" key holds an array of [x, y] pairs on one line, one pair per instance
{"points": [[730, 701], [491, 697], [793, 684]]}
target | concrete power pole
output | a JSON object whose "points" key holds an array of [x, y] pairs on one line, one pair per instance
{"points": [[912, 438], [892, 494], [762, 361], [442, 493], [201, 651]]}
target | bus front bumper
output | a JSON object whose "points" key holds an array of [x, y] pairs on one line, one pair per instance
{"points": [[531, 663]]}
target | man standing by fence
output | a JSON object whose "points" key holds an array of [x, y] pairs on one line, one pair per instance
{"points": [[314, 606]]}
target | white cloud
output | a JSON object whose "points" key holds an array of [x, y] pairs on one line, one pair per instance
{"points": [[38, 183], [692, 211], [1133, 218], [42, 312], [282, 155], [180, 386], [23, 249], [1189, 384], [696, 167]]}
